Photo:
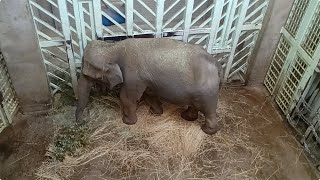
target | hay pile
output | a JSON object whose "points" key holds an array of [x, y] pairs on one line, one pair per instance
{"points": [[159, 147]]}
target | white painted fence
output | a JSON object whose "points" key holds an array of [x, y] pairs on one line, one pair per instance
{"points": [[65, 26]]}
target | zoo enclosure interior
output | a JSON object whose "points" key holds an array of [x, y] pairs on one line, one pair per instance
{"points": [[65, 26]]}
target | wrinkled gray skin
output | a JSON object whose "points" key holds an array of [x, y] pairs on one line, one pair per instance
{"points": [[178, 72]]}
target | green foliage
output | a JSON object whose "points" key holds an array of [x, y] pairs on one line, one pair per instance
{"points": [[68, 140]]}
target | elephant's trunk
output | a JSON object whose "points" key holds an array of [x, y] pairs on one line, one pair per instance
{"points": [[84, 88]]}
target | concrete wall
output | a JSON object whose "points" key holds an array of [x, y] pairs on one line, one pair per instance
{"points": [[268, 42], [19, 44]]}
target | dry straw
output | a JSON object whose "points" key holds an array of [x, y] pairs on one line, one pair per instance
{"points": [[159, 147]]}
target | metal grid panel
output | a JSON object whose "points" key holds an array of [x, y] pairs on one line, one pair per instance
{"points": [[285, 97], [201, 14], [116, 6], [312, 37], [229, 26], [277, 63], [305, 119], [51, 29], [256, 11], [173, 14], [9, 104], [200, 39], [144, 16], [296, 15]]}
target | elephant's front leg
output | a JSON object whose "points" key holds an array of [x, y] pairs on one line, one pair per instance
{"points": [[209, 110], [129, 96]]}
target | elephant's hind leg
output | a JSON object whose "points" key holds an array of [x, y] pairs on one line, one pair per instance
{"points": [[129, 96], [154, 103], [190, 114]]}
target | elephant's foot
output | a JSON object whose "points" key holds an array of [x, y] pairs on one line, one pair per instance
{"points": [[190, 114], [210, 130], [156, 111], [129, 121]]}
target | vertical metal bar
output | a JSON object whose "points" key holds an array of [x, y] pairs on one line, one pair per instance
{"points": [[231, 13], [78, 24], [187, 19], [92, 21], [237, 33], [68, 41], [97, 18], [129, 17], [159, 18], [226, 20], [215, 22], [83, 28]]}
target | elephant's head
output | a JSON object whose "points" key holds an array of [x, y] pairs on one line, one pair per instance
{"points": [[100, 63]]}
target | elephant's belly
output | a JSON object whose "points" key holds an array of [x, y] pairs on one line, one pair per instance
{"points": [[179, 97]]}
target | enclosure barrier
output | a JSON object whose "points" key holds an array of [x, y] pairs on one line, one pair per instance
{"points": [[8, 100], [293, 79], [64, 28]]}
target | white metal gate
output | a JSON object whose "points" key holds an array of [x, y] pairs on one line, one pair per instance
{"points": [[293, 76], [8, 100], [65, 26], [296, 56]]}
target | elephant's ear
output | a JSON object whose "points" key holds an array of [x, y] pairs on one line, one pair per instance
{"points": [[114, 75]]}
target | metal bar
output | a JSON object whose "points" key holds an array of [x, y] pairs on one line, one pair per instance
{"points": [[83, 28], [56, 67], [159, 18], [52, 3], [248, 27], [55, 56], [238, 61], [129, 17], [97, 18], [203, 13], [173, 17], [243, 11], [59, 78], [146, 7], [143, 19], [205, 22], [256, 10], [108, 31], [113, 21], [198, 6], [92, 22], [77, 20], [67, 34], [187, 19], [171, 6], [114, 8], [52, 43], [229, 21], [45, 11], [201, 39], [178, 25], [215, 22], [48, 26]]}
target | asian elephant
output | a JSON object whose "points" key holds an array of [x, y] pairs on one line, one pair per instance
{"points": [[175, 71]]}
